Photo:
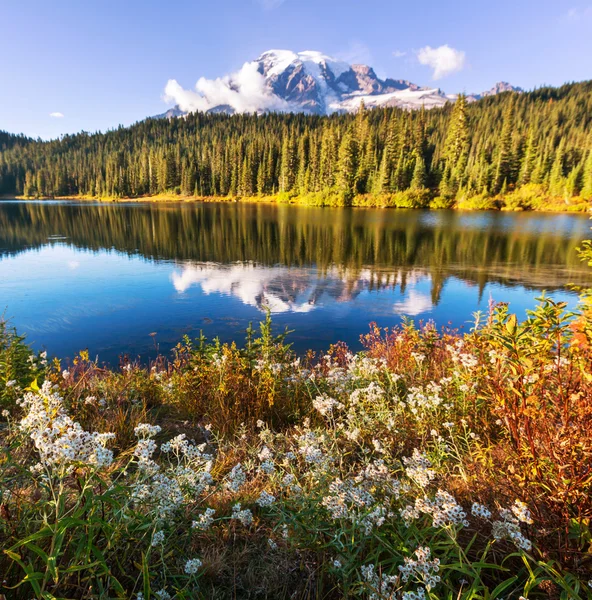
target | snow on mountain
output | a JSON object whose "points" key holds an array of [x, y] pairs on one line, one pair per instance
{"points": [[309, 82]]}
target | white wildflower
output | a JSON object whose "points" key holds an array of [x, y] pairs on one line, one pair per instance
{"points": [[157, 538], [204, 522], [192, 566], [236, 478], [245, 516], [265, 499]]}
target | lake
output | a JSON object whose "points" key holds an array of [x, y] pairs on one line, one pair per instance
{"points": [[134, 277]]}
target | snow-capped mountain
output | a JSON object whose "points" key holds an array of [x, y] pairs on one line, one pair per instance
{"points": [[310, 82]]}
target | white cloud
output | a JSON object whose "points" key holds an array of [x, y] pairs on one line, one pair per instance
{"points": [[56, 115], [270, 4], [244, 91], [73, 265], [399, 53], [444, 60], [414, 304]]}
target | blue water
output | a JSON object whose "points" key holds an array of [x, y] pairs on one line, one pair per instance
{"points": [[76, 276]]}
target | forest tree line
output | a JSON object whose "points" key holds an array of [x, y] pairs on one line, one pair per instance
{"points": [[540, 141]]}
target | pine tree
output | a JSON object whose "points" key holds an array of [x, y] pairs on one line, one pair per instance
{"points": [[503, 174], [456, 148], [556, 178], [346, 168], [587, 177], [419, 179]]}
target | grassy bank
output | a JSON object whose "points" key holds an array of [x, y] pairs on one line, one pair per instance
{"points": [[431, 465], [530, 197]]}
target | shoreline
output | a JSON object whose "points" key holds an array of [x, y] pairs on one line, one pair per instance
{"points": [[379, 202]]}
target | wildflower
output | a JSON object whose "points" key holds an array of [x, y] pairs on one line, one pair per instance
{"points": [[204, 521], [382, 586], [161, 493], [326, 405], [157, 538], [65, 373], [418, 594], [508, 527], [6, 413], [192, 566], [265, 499], [236, 478], [11, 383], [337, 564], [145, 430], [478, 510], [418, 469], [245, 516], [421, 567], [272, 544], [59, 440], [522, 513], [162, 595]]}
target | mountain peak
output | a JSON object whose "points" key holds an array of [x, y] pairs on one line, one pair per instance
{"points": [[308, 81]]}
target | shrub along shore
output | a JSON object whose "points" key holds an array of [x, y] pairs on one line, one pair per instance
{"points": [[531, 197], [430, 465]]}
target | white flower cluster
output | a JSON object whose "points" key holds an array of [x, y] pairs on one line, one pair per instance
{"points": [[346, 498], [204, 522], [481, 511], [192, 566], [161, 494], [245, 516], [325, 405], [422, 568], [418, 468], [310, 448], [181, 447], [59, 440], [145, 430], [157, 538], [418, 594], [236, 478], [444, 510], [381, 585], [265, 499], [267, 465], [508, 526], [468, 361]]}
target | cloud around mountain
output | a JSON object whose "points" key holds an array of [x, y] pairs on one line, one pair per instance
{"points": [[314, 83], [243, 91]]}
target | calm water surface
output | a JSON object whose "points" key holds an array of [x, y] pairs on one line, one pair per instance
{"points": [[105, 277]]}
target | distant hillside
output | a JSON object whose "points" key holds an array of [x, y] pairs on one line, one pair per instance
{"points": [[523, 146]]}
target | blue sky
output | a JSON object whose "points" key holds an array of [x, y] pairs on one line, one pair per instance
{"points": [[104, 63]]}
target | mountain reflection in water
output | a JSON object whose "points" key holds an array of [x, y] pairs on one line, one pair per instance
{"points": [[104, 276]]}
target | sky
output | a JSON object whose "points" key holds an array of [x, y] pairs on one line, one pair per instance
{"points": [[73, 65]]}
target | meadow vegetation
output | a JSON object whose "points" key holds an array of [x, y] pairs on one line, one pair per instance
{"points": [[430, 465]]}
